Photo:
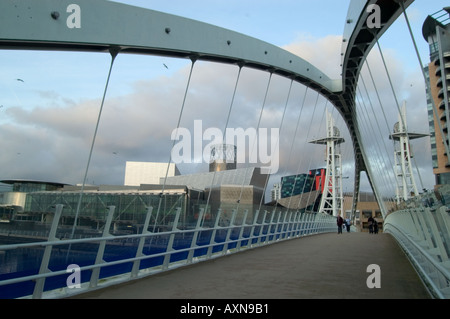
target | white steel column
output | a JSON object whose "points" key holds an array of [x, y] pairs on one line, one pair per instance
{"points": [[406, 185], [332, 202]]}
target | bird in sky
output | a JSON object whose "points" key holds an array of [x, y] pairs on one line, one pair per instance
{"points": [[165, 66], [20, 80]]}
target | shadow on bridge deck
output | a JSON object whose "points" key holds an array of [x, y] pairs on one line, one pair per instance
{"points": [[321, 266]]}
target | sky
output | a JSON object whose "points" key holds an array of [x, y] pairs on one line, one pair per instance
{"points": [[47, 119]]}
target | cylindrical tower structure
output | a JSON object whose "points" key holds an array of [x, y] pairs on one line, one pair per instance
{"points": [[223, 157]]}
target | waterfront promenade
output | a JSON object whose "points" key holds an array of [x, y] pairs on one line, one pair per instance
{"points": [[328, 266]]}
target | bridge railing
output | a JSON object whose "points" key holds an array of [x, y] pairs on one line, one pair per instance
{"points": [[66, 267], [422, 229]]}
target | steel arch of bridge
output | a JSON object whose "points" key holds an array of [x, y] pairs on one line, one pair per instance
{"points": [[105, 26]]}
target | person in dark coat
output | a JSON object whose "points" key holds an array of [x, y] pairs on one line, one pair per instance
{"points": [[371, 222], [375, 226], [340, 222]]}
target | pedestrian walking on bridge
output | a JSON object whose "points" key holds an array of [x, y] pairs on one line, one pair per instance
{"points": [[340, 222]]}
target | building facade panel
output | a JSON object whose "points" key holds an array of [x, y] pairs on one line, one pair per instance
{"points": [[137, 173]]}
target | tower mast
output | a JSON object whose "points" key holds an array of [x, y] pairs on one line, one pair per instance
{"points": [[332, 201], [406, 185]]}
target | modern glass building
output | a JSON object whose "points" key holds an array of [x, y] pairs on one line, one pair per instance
{"points": [[302, 183], [12, 201], [296, 184], [131, 205], [240, 177]]}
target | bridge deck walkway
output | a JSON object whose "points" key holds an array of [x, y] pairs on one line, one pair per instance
{"points": [[330, 266]]}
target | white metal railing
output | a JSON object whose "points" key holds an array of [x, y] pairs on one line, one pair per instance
{"points": [[423, 231], [197, 244]]}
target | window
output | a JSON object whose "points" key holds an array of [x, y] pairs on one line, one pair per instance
{"points": [[367, 213]]}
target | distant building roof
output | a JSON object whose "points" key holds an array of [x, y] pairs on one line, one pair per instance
{"points": [[30, 181], [439, 18], [202, 181]]}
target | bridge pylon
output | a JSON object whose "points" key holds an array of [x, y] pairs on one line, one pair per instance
{"points": [[406, 185], [332, 201]]}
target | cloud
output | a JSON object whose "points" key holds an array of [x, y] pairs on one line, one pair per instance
{"points": [[325, 53], [51, 139]]}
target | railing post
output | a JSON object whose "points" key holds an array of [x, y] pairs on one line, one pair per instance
{"points": [[263, 223], [321, 223], [101, 249], [283, 226], [313, 223], [435, 234], [241, 232], [423, 224], [445, 222], [295, 225], [169, 248], [39, 286], [212, 241], [252, 232], [301, 222], [307, 223], [195, 237], [137, 263], [289, 226], [417, 225], [274, 224], [316, 221], [230, 228]]}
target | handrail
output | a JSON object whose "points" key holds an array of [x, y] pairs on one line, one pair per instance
{"points": [[407, 244], [282, 226], [422, 229]]}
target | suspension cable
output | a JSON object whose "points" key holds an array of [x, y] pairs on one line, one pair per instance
{"points": [[376, 118], [226, 126], [256, 137], [114, 52], [427, 83], [161, 195], [378, 160], [278, 141], [301, 161], [309, 166], [292, 144], [380, 103], [396, 100]]}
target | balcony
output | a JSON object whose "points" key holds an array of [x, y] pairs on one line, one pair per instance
{"points": [[441, 92], [442, 104], [437, 61]]}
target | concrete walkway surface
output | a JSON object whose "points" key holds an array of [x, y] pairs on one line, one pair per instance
{"points": [[332, 266]]}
